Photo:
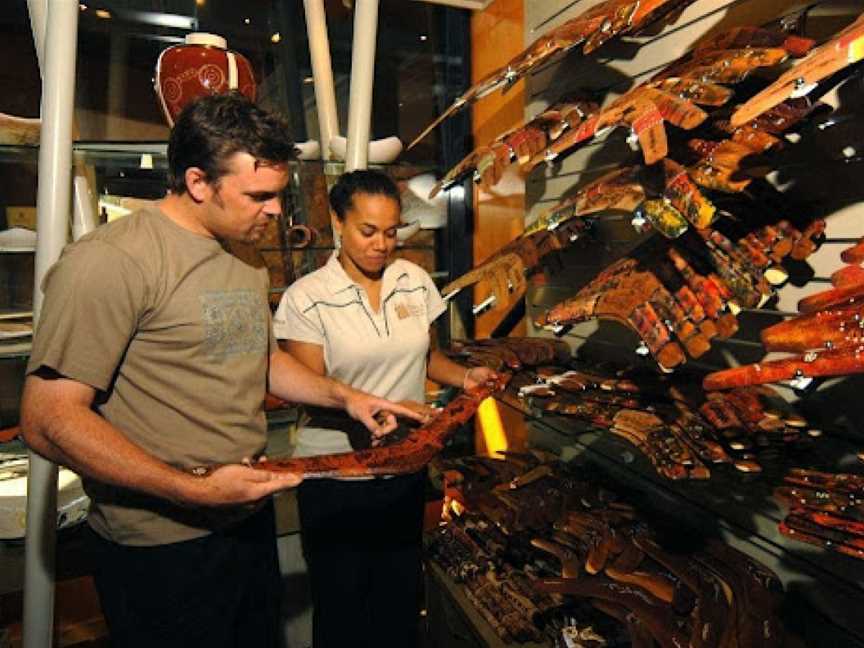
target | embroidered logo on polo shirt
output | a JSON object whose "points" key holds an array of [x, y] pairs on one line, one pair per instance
{"points": [[404, 310]]}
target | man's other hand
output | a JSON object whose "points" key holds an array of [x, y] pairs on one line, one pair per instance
{"points": [[236, 484]]}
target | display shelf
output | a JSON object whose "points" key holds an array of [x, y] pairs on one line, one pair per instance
{"points": [[15, 350], [11, 313], [141, 155], [131, 154], [738, 507], [453, 620], [19, 153]]}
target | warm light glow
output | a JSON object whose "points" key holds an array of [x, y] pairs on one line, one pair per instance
{"points": [[103, 13], [82, 7], [275, 38], [456, 507], [491, 428], [200, 3]]}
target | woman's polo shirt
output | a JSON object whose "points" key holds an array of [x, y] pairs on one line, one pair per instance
{"points": [[382, 353]]}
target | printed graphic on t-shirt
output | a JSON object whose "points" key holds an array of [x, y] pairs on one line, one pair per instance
{"points": [[235, 323]]}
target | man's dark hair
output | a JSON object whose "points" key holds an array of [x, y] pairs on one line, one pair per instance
{"points": [[364, 181], [212, 129]]}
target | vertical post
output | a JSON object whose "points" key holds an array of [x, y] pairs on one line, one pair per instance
{"points": [[38, 10], [118, 51], [455, 143], [362, 78], [322, 74], [287, 72], [58, 50]]}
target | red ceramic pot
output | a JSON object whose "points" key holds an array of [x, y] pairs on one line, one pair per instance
{"points": [[203, 65]]}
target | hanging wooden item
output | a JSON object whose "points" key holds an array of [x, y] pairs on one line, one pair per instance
{"points": [[828, 335], [590, 29], [678, 94], [665, 292], [846, 48], [826, 510]]}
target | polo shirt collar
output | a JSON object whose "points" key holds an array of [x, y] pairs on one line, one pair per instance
{"points": [[336, 274], [340, 281]]}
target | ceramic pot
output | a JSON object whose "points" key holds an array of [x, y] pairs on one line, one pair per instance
{"points": [[203, 65]]}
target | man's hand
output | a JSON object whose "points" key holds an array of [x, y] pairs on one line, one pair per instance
{"points": [[236, 484], [477, 376], [377, 414]]}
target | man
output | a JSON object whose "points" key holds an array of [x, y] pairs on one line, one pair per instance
{"points": [[152, 357]]}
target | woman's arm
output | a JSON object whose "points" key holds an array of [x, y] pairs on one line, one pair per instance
{"points": [[443, 370], [298, 377]]}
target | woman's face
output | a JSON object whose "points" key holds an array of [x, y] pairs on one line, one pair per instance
{"points": [[368, 231]]}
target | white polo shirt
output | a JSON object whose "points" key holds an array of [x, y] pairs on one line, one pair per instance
{"points": [[382, 353]]}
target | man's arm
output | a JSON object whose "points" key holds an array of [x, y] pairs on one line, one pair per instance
{"points": [[57, 423], [292, 380]]}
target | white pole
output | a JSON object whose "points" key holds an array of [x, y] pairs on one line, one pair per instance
{"points": [[83, 216], [362, 78], [322, 74], [58, 49], [38, 10]]}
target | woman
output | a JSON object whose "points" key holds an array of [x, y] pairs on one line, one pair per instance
{"points": [[366, 322]]}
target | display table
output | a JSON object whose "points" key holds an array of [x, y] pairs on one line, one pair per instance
{"points": [[452, 622]]}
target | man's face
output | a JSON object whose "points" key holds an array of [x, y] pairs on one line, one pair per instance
{"points": [[244, 200]]}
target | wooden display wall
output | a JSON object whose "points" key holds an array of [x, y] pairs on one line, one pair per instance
{"points": [[820, 173]]}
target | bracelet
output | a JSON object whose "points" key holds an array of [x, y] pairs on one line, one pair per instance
{"points": [[465, 379], [201, 471]]}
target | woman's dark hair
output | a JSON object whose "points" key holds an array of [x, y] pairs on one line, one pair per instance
{"points": [[364, 181], [212, 129]]}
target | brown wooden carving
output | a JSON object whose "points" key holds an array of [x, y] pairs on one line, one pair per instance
{"points": [[407, 456]]}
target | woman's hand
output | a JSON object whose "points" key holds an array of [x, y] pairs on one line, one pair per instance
{"points": [[477, 376], [426, 411], [377, 414]]}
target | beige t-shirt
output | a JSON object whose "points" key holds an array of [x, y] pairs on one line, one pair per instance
{"points": [[174, 333], [382, 353]]}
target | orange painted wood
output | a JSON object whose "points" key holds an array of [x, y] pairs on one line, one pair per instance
{"points": [[497, 35]]}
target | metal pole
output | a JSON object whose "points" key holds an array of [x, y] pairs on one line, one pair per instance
{"points": [[322, 73], [59, 49], [362, 78]]}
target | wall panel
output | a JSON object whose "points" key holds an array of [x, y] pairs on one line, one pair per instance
{"points": [[816, 175]]}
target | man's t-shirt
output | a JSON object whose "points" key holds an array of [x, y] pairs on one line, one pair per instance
{"points": [[174, 333]]}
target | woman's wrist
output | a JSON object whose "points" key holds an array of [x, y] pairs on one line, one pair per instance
{"points": [[465, 377]]}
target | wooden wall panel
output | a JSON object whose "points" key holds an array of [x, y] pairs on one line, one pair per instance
{"points": [[496, 37], [819, 174], [833, 191]]}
